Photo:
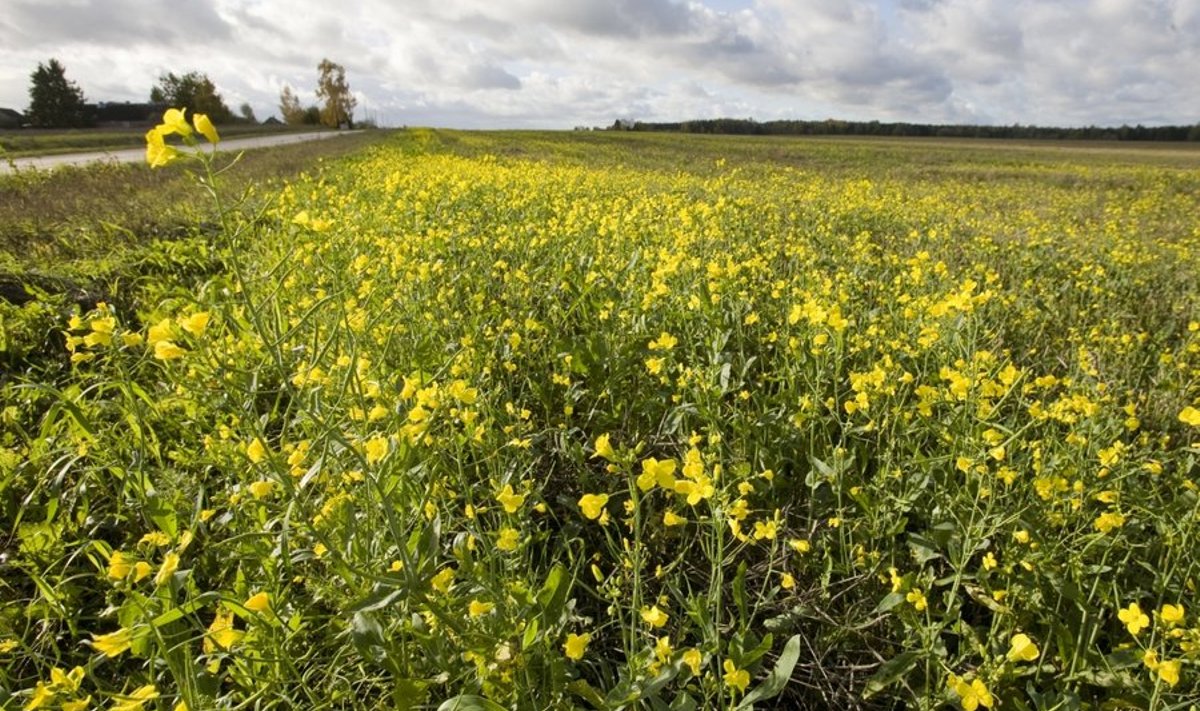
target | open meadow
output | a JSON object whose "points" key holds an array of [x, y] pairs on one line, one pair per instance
{"points": [[488, 420]]}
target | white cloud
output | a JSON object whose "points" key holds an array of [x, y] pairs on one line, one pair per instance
{"points": [[557, 64]]}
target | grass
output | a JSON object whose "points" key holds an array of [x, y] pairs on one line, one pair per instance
{"points": [[549, 420]]}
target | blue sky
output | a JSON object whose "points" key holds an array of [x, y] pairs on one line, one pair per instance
{"points": [[561, 63]]}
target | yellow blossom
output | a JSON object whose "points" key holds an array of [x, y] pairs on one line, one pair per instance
{"points": [[443, 580], [576, 645], [971, 694], [670, 518], [262, 488], [654, 617], [1168, 672], [508, 539], [113, 643], [735, 678], [692, 658], [1190, 416], [169, 565], [195, 324], [604, 448], [1133, 617], [221, 632], [259, 602], [477, 608], [511, 501], [167, 350], [1022, 649], [136, 699], [119, 566], [206, 128], [917, 598], [256, 451], [593, 505]]}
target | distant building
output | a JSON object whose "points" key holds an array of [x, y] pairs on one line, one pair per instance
{"points": [[125, 115], [272, 121], [11, 119]]}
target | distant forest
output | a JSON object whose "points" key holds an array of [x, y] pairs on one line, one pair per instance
{"points": [[830, 127]]}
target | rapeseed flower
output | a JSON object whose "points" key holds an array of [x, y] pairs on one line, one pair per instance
{"points": [[735, 678], [1022, 649], [593, 505], [1135, 620], [575, 645]]}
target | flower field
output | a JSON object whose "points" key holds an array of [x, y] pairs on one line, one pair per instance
{"points": [[484, 421]]}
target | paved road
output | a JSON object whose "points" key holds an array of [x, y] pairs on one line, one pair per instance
{"points": [[134, 155]]}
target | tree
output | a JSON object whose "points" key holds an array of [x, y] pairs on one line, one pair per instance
{"points": [[290, 108], [247, 113], [333, 88], [55, 101], [193, 91]]}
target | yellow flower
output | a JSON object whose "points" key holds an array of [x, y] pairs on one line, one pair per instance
{"points": [[443, 580], [167, 350], [256, 451], [77, 704], [576, 645], [989, 561], [764, 530], [195, 324], [604, 448], [261, 489], [693, 658], [663, 649], [1023, 649], [479, 609], [113, 643], [173, 121], [917, 598], [158, 153], [800, 545], [670, 518], [1168, 672], [1171, 614], [119, 566], [511, 502], [376, 449], [221, 632], [593, 505], [169, 565], [656, 472], [1108, 521], [140, 570], [135, 700], [972, 695], [206, 128], [259, 602], [42, 697], [508, 539], [161, 331], [1134, 618], [1190, 416], [735, 678], [66, 681], [787, 582], [654, 617]]}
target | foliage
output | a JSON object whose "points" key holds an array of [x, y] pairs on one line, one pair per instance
{"points": [[54, 100], [334, 90], [193, 91], [622, 421]]}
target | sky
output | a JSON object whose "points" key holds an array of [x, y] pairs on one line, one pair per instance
{"points": [[566, 63]]}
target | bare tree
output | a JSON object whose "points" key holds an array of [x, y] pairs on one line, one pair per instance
{"points": [[333, 88]]}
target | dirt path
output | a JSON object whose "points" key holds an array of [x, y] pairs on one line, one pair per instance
{"points": [[133, 155]]}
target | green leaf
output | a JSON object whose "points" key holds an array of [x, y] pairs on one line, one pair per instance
{"points": [[889, 601], [775, 682], [469, 702], [890, 672], [367, 636], [553, 595]]}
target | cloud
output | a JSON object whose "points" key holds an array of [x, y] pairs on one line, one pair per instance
{"points": [[557, 64]]}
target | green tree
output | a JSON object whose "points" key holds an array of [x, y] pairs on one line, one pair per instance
{"points": [[193, 91], [289, 107], [335, 90], [55, 101]]}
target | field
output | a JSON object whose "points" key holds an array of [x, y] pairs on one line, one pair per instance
{"points": [[602, 420], [34, 142]]}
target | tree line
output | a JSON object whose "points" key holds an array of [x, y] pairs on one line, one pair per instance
{"points": [[58, 102], [832, 127]]}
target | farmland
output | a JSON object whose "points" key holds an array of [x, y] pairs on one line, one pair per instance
{"points": [[550, 420]]}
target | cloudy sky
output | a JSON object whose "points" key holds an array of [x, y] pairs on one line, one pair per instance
{"points": [[560, 63]]}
